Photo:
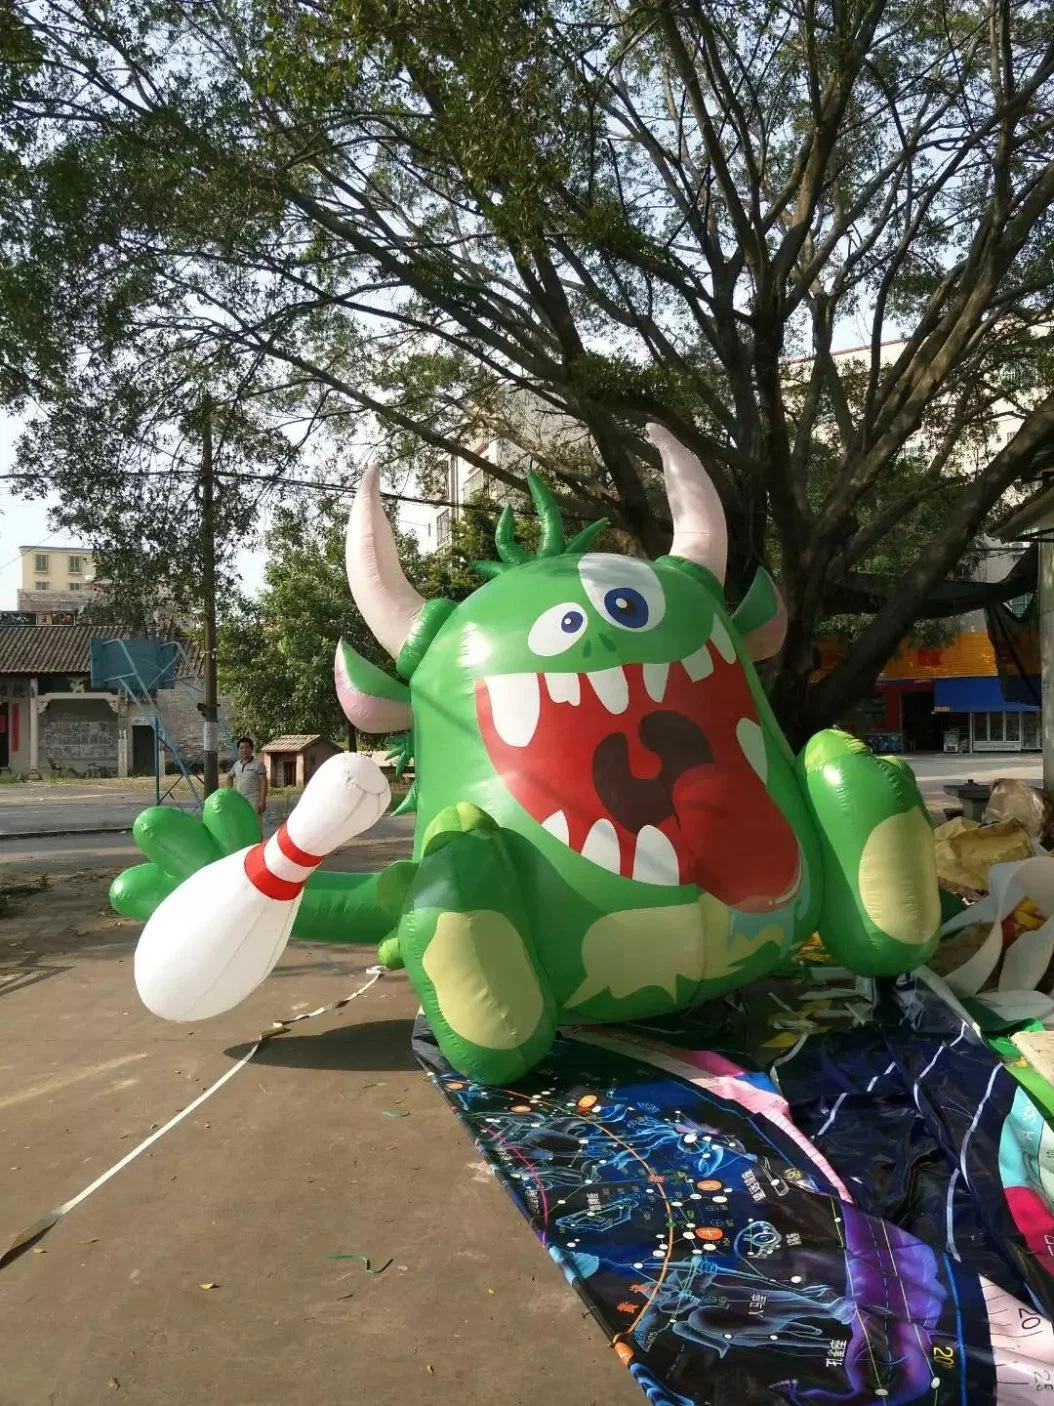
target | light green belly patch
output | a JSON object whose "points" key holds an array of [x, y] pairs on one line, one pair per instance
{"points": [[898, 878], [626, 952], [483, 980]]}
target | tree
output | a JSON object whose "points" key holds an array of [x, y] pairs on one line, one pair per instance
{"points": [[424, 219], [275, 651], [124, 454]]}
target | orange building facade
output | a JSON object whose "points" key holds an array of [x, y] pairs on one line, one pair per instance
{"points": [[940, 698]]}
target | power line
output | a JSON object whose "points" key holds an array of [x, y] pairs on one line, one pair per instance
{"points": [[238, 476]]}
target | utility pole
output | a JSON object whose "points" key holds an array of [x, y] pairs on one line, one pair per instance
{"points": [[209, 709]]}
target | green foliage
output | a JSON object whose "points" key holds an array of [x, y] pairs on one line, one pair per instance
{"points": [[275, 652]]}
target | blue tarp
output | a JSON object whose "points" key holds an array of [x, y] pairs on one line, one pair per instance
{"points": [[974, 696]]}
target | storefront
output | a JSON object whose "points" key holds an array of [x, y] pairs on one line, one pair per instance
{"points": [[992, 723]]}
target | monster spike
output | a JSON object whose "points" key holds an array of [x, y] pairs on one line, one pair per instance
{"points": [[552, 544], [509, 549], [489, 569], [699, 531], [408, 804], [583, 540], [389, 604]]}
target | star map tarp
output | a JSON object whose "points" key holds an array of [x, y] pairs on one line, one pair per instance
{"points": [[834, 1194]]}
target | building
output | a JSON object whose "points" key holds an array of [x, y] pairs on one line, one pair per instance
{"points": [[52, 721], [534, 423], [55, 578], [293, 760]]}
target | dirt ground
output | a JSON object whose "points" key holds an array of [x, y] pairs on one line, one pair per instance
{"points": [[330, 1142]]}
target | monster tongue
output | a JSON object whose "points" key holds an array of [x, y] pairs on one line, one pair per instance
{"points": [[733, 840], [729, 836]]}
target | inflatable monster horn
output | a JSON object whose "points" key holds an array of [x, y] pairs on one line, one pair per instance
{"points": [[699, 531], [389, 604]]}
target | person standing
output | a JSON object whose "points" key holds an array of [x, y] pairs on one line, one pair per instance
{"points": [[248, 776]]}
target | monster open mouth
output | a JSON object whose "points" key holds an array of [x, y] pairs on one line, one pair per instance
{"points": [[654, 771]]}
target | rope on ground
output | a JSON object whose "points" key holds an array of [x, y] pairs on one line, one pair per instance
{"points": [[25, 1238]]}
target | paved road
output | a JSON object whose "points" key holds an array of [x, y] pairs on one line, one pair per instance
{"points": [[52, 853], [390, 839], [44, 805]]}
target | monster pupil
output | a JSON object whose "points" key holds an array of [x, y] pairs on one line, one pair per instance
{"points": [[571, 621], [627, 607]]}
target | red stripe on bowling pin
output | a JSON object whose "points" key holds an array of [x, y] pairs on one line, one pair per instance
{"points": [[264, 859], [292, 850]]}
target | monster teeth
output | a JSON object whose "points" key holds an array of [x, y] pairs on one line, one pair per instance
{"points": [[611, 687], [602, 847], [655, 861], [564, 688], [698, 665], [752, 741], [557, 827], [655, 676], [722, 641], [515, 703]]}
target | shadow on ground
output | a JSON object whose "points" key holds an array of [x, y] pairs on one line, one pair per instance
{"points": [[374, 1045]]}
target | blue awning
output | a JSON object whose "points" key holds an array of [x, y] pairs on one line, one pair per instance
{"points": [[974, 696]]}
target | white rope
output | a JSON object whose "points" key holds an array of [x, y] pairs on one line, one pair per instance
{"points": [[39, 1228]]}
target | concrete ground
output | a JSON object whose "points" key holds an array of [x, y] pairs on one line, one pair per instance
{"points": [[935, 771], [330, 1142], [92, 849]]}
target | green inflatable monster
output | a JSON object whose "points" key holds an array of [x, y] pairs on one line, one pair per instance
{"points": [[610, 824]]}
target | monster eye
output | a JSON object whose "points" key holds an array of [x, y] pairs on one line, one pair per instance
{"points": [[627, 607], [557, 629], [624, 590]]}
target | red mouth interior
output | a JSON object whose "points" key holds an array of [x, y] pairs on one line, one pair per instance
{"points": [[675, 765]]}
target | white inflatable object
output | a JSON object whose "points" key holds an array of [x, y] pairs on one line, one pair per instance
{"points": [[1027, 958], [212, 941]]}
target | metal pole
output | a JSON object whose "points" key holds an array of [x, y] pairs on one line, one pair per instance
{"points": [[157, 764], [209, 708]]}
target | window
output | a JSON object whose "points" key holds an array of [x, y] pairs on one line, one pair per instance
{"points": [[443, 528], [76, 566], [41, 564], [998, 731], [42, 586], [76, 586]]}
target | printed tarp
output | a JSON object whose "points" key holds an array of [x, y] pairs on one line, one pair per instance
{"points": [[793, 1195]]}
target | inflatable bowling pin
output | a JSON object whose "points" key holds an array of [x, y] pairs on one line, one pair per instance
{"points": [[213, 940]]}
